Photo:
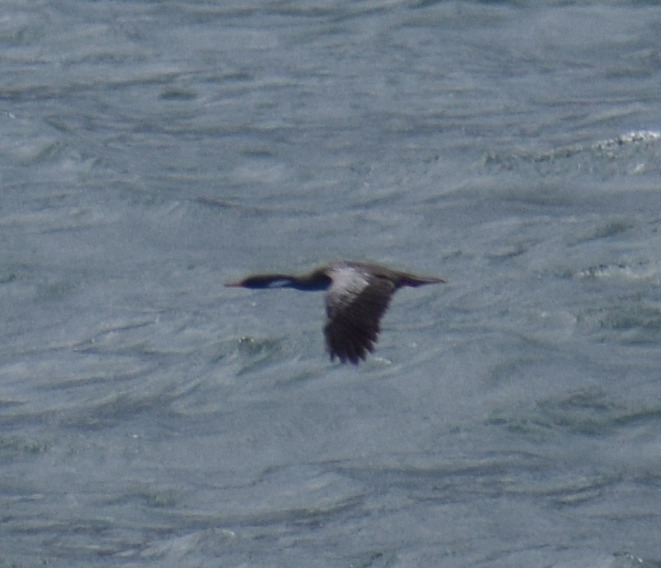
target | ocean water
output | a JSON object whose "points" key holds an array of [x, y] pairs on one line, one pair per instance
{"points": [[151, 151]]}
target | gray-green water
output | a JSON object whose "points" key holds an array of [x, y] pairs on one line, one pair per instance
{"points": [[151, 151]]}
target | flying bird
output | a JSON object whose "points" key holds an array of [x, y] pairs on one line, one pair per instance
{"points": [[357, 296]]}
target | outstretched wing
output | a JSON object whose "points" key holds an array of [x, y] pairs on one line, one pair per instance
{"points": [[355, 303]]}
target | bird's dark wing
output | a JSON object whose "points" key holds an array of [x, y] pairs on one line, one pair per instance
{"points": [[355, 303]]}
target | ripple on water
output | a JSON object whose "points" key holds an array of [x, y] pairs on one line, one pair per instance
{"points": [[588, 411], [633, 321]]}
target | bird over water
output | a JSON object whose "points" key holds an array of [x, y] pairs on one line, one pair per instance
{"points": [[357, 296]]}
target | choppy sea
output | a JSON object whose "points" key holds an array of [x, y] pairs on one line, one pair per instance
{"points": [[151, 151]]}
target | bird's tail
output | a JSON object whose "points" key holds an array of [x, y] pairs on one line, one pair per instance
{"points": [[415, 281]]}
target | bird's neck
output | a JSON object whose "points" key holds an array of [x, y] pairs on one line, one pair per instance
{"points": [[309, 282], [314, 282]]}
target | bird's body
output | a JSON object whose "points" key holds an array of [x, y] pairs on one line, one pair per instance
{"points": [[357, 296]]}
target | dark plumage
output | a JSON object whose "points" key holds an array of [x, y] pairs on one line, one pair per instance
{"points": [[357, 296]]}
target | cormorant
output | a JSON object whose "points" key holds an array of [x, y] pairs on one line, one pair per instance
{"points": [[357, 296]]}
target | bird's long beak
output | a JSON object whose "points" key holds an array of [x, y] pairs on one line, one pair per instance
{"points": [[233, 285]]}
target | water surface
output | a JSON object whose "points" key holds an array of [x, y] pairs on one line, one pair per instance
{"points": [[153, 151]]}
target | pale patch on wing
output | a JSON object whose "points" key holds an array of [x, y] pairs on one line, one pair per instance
{"points": [[347, 284], [355, 303]]}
